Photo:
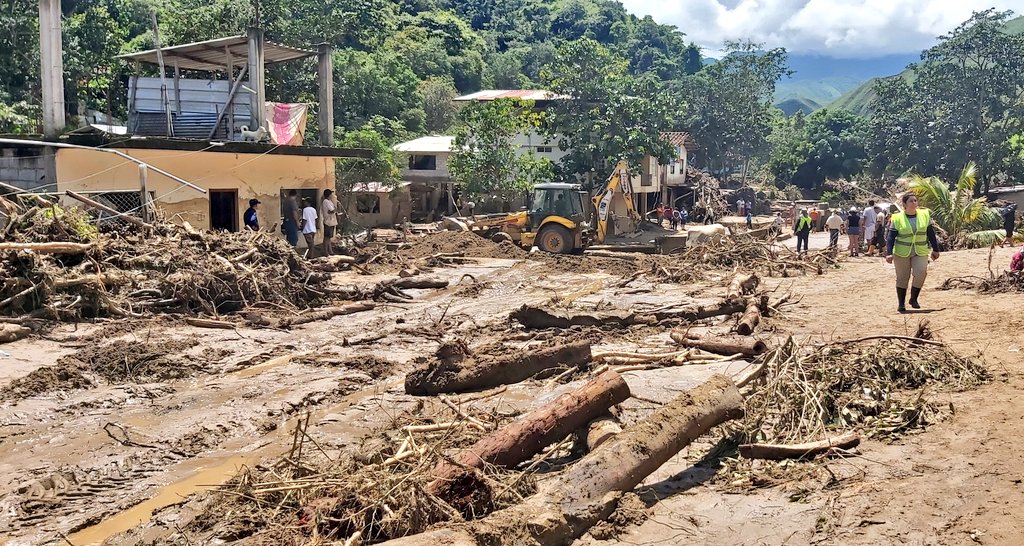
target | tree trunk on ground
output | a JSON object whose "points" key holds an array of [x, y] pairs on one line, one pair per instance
{"points": [[601, 430], [459, 372], [403, 283], [521, 439], [540, 318], [741, 284], [722, 345], [750, 319], [48, 248], [799, 451], [588, 491], [13, 332]]}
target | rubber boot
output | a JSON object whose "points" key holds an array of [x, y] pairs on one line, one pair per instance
{"points": [[914, 292], [901, 295]]}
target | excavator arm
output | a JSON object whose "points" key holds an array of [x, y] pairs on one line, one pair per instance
{"points": [[619, 181]]}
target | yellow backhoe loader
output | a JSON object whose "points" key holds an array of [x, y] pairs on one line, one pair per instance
{"points": [[555, 221]]}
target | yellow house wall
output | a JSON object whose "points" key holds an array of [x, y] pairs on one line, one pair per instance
{"points": [[251, 175]]}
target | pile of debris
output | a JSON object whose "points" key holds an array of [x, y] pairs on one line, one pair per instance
{"points": [[56, 264], [1008, 281], [762, 257]]}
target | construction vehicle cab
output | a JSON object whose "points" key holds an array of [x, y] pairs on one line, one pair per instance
{"points": [[556, 219]]}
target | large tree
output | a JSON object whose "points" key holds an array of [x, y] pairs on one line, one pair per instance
{"points": [[603, 114], [486, 158]]}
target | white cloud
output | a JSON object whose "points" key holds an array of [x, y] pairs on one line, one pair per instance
{"points": [[837, 28]]}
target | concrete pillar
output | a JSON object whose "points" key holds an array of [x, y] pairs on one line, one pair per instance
{"points": [[325, 72], [257, 77], [52, 68]]}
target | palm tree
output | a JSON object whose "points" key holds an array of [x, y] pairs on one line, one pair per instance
{"points": [[966, 220]]}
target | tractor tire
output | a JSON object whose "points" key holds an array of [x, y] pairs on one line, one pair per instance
{"points": [[555, 239], [501, 237]]}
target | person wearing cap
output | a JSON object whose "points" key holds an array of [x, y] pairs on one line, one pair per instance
{"points": [[308, 225], [834, 225], [853, 231], [250, 219], [802, 229]]}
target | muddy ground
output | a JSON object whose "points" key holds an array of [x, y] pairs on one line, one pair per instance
{"points": [[107, 431]]}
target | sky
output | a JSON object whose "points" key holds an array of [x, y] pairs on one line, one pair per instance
{"points": [[833, 28]]}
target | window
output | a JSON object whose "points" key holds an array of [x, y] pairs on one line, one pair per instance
{"points": [[672, 168], [423, 163], [646, 180], [368, 204], [543, 149]]}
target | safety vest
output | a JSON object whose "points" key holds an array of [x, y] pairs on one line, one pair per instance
{"points": [[804, 221], [909, 240]]}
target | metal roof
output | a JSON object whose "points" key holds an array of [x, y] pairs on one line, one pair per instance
{"points": [[557, 186], [680, 139], [212, 55], [430, 144], [521, 94]]}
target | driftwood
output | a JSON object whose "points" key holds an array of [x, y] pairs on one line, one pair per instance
{"points": [[454, 369], [750, 319], [49, 248], [208, 323], [13, 332], [588, 492], [419, 282], [799, 451], [540, 318], [741, 284], [519, 440], [723, 345], [601, 430], [325, 314]]}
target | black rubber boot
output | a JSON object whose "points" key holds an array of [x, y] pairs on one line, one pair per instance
{"points": [[901, 295], [914, 292]]}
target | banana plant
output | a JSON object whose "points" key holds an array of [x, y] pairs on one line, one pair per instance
{"points": [[966, 220]]}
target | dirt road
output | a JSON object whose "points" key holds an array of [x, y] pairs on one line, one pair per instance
{"points": [[90, 463]]}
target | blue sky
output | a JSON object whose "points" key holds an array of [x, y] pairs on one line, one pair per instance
{"points": [[834, 28]]}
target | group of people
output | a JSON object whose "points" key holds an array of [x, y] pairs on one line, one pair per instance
{"points": [[301, 219], [676, 217]]}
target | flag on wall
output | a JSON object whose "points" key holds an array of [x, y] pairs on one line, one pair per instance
{"points": [[287, 122]]}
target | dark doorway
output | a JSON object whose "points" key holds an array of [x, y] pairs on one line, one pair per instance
{"points": [[224, 209]]}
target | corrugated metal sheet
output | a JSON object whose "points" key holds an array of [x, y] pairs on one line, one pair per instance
{"points": [[201, 102], [521, 94], [212, 55], [428, 144]]}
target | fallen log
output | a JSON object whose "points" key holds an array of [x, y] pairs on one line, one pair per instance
{"points": [[418, 282], [49, 248], [521, 439], [454, 370], [209, 323], [540, 318], [742, 284], [723, 345], [750, 319], [601, 430], [325, 314], [13, 332], [588, 492], [778, 452]]}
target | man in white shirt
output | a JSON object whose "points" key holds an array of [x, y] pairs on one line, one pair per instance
{"points": [[740, 206], [308, 226], [834, 224], [330, 219], [868, 220]]}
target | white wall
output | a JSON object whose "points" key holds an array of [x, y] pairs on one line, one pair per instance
{"points": [[440, 171]]}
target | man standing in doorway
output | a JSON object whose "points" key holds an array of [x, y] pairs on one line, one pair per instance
{"points": [[834, 224], [309, 226], [291, 218], [330, 219], [250, 219]]}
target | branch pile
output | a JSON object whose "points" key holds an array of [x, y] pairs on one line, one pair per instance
{"points": [[56, 264], [1008, 281], [762, 257]]}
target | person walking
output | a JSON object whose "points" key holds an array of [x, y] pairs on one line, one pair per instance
{"points": [[750, 220], [868, 218], [802, 230], [292, 218], [853, 225], [910, 238], [815, 219], [684, 216], [1009, 214], [309, 226], [834, 225], [250, 218], [876, 238], [677, 218], [330, 220]]}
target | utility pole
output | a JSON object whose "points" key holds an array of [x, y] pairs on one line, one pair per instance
{"points": [[51, 57]]}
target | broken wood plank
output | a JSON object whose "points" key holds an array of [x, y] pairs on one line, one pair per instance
{"points": [[455, 370], [588, 492], [778, 452], [49, 248], [326, 314], [209, 323]]}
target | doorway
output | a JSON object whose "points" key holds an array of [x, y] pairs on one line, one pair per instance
{"points": [[224, 209]]}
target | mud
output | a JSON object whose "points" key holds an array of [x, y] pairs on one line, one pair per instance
{"points": [[630, 512], [48, 379]]}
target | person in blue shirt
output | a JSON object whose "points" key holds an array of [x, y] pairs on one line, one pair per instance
{"points": [[750, 220], [250, 219]]}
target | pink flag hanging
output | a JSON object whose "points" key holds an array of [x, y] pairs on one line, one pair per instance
{"points": [[287, 122]]}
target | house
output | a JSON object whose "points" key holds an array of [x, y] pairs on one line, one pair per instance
{"points": [[373, 204], [424, 169], [674, 182], [195, 135]]}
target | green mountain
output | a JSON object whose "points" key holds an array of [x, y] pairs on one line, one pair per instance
{"points": [[809, 95], [818, 80], [858, 100]]}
